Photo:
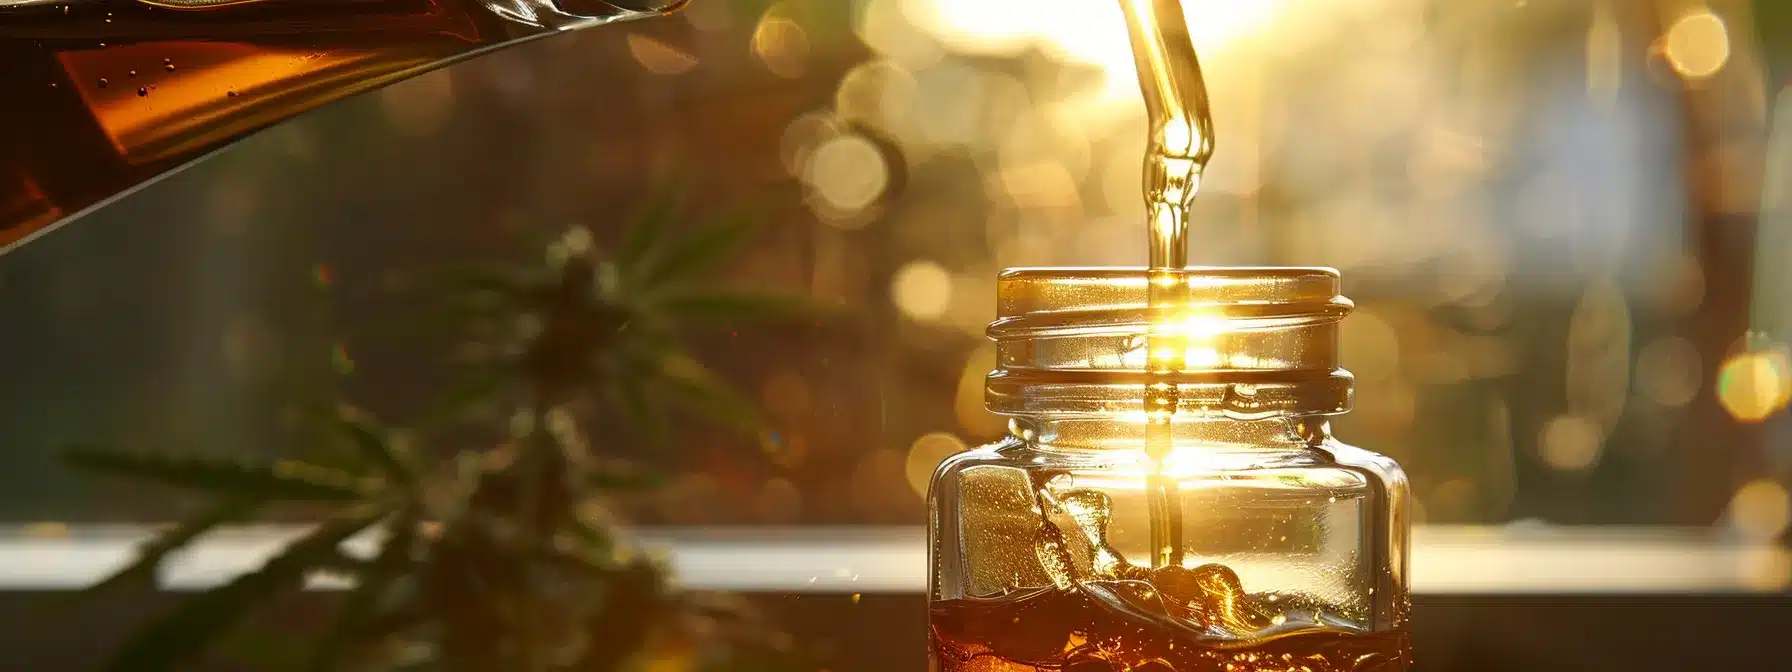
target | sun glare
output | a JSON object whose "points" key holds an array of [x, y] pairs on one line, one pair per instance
{"points": [[1081, 31]]}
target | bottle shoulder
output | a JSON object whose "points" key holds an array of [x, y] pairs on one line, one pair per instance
{"points": [[1328, 455], [1381, 466]]}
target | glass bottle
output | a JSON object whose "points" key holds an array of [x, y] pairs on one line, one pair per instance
{"points": [[104, 95], [1253, 541]]}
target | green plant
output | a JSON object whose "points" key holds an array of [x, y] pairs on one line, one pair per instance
{"points": [[492, 559]]}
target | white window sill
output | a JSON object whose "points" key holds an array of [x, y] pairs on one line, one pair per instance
{"points": [[1445, 559]]}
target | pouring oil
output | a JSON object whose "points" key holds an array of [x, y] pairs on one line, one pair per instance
{"points": [[1180, 142], [1102, 611]]}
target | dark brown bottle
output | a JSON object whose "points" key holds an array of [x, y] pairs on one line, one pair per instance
{"points": [[100, 96]]}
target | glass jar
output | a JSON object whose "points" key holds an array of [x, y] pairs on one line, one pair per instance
{"points": [[1237, 535]]}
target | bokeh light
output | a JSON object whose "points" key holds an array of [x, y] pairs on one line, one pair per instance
{"points": [[947, 109], [877, 94], [802, 135], [1753, 385], [782, 45], [922, 290], [1044, 184], [925, 454], [1761, 509], [847, 173], [1598, 355], [573, 242], [1697, 45], [978, 26], [884, 27], [973, 300], [1669, 371], [1570, 443], [973, 417]]}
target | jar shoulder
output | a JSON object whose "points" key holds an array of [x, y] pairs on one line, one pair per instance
{"points": [[1375, 464], [1327, 461]]}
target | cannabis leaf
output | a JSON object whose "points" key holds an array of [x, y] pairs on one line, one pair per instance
{"points": [[200, 620], [364, 495], [486, 558], [608, 328]]}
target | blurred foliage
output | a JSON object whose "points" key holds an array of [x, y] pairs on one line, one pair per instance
{"points": [[490, 559]]}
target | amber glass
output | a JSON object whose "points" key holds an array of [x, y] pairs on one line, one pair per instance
{"points": [[1289, 547], [99, 96]]}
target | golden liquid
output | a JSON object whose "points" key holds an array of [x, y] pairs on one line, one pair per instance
{"points": [[1103, 612], [97, 96], [1179, 144], [1180, 140], [1066, 629]]}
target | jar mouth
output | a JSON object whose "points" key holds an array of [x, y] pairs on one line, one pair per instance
{"points": [[1255, 341]]}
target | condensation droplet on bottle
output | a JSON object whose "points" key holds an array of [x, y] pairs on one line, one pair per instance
{"points": [[103, 82], [133, 73], [142, 92]]}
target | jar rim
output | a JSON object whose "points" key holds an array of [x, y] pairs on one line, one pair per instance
{"points": [[1256, 341]]}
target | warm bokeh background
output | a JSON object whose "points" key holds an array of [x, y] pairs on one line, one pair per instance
{"points": [[1564, 224]]}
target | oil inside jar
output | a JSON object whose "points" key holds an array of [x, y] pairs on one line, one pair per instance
{"points": [[1164, 612]]}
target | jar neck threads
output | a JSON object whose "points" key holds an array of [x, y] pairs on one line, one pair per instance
{"points": [[1256, 343]]}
